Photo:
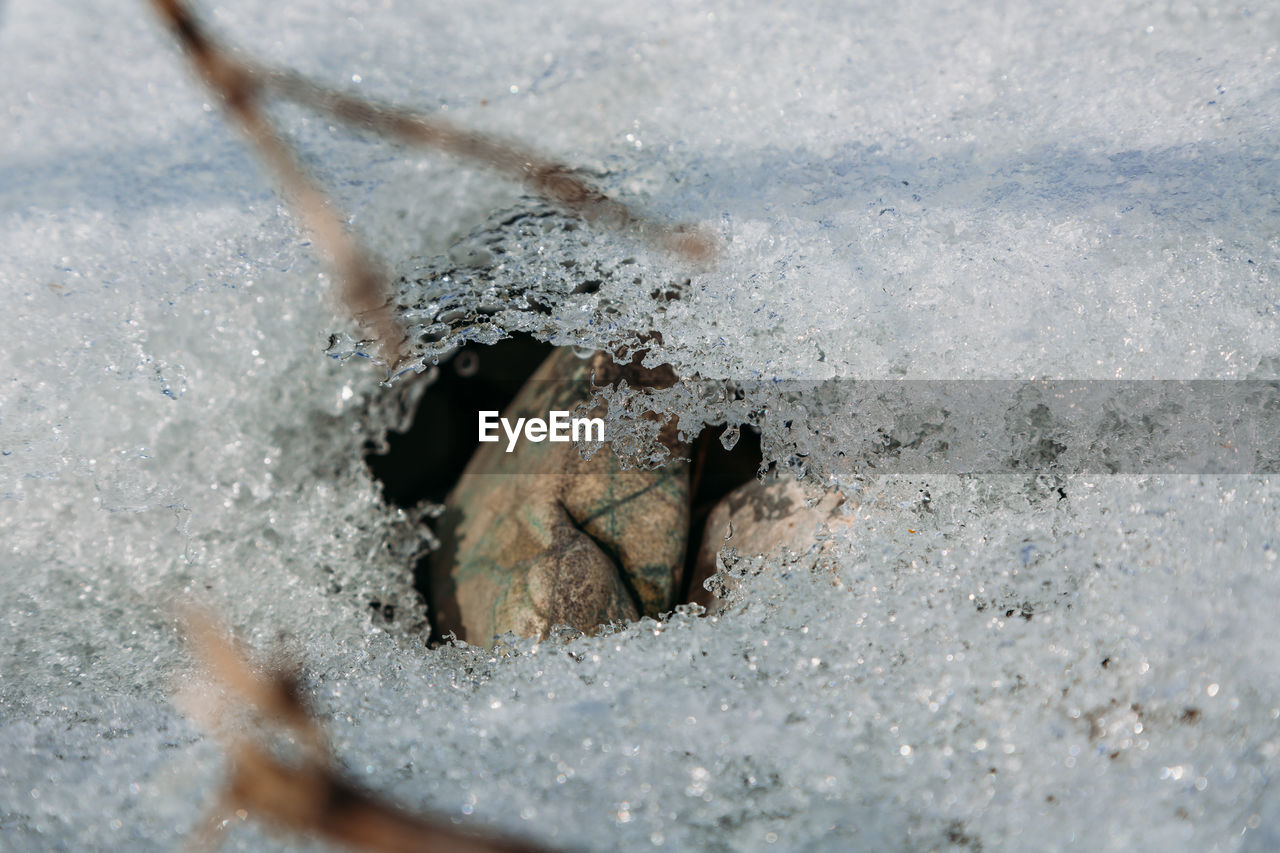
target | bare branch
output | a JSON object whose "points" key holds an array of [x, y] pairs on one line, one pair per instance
{"points": [[273, 697], [308, 796], [364, 286], [551, 180]]}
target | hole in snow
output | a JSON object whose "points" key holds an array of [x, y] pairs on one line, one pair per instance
{"points": [[424, 462]]}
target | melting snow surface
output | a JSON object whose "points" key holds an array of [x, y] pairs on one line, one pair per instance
{"points": [[932, 191]]}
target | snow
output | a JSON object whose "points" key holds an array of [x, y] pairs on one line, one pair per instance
{"points": [[934, 191]]}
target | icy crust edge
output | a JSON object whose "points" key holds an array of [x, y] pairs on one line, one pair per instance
{"points": [[531, 269]]}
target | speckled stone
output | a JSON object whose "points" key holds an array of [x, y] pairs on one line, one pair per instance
{"points": [[540, 537], [763, 517]]}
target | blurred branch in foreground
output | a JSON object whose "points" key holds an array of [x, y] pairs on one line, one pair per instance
{"points": [[298, 790]]}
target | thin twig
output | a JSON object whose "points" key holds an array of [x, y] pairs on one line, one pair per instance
{"points": [[551, 180], [273, 697], [306, 796], [364, 286]]}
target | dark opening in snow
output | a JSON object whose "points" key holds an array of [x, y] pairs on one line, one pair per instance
{"points": [[424, 462]]}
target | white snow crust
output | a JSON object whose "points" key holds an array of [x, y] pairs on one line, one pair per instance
{"points": [[932, 190]]}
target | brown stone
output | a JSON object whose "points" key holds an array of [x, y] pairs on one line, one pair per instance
{"points": [[541, 537], [763, 517]]}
